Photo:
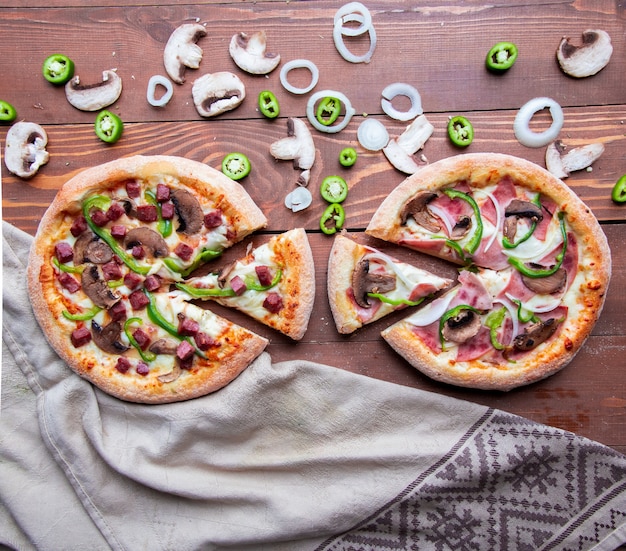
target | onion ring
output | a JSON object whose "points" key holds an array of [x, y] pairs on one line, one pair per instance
{"points": [[522, 120], [299, 64], [353, 11], [159, 80], [372, 135], [401, 89], [310, 111]]}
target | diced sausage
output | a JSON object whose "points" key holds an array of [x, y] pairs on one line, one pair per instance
{"points": [[138, 252], [184, 351], [133, 189], [123, 364], [147, 213], [117, 311], [118, 231], [238, 285], [142, 338], [162, 193], [79, 225], [63, 251], [213, 219], [68, 282], [187, 326], [205, 341], [132, 280], [264, 274], [115, 212], [183, 251], [152, 282], [99, 217], [167, 211], [138, 300], [273, 303], [80, 336], [142, 368], [111, 270]]}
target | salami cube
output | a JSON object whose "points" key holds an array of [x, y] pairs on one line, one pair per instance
{"points": [[142, 368], [167, 211], [68, 282], [123, 364], [117, 311], [80, 336], [147, 213], [133, 189], [264, 274], [187, 326], [142, 338], [79, 225], [273, 303], [238, 285], [132, 280], [115, 212], [152, 282], [111, 271], [183, 251], [64, 252], [213, 219], [184, 351], [138, 300], [162, 193], [118, 231], [138, 252], [99, 217], [204, 341]]}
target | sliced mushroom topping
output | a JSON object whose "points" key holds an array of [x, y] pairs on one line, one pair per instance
{"points": [[98, 252], [364, 282], [250, 54], [519, 209], [561, 162], [107, 338], [587, 59], [417, 207], [172, 375], [461, 327], [93, 97], [535, 334], [81, 244], [181, 50], [25, 149], [298, 146], [224, 272], [164, 346], [547, 285], [97, 289], [190, 215], [460, 229], [150, 240], [217, 93]]}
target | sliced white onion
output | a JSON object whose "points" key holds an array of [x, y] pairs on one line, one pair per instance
{"points": [[338, 34], [434, 311], [299, 64], [299, 199], [521, 125], [533, 248], [401, 89], [498, 216], [372, 134], [539, 304], [442, 214], [332, 129], [350, 12], [513, 313], [153, 83]]}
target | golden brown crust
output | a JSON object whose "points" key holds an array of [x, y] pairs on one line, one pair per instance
{"points": [[584, 299], [238, 345]]}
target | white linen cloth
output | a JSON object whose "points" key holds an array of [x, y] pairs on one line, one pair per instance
{"points": [[292, 455]]}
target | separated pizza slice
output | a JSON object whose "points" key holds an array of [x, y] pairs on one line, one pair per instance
{"points": [[365, 284], [274, 284]]}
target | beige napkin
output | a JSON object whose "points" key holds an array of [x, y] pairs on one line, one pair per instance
{"points": [[292, 455]]}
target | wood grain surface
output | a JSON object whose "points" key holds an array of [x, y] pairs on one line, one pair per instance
{"points": [[439, 47]]}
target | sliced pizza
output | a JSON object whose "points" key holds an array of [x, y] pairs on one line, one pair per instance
{"points": [[274, 283], [365, 284]]}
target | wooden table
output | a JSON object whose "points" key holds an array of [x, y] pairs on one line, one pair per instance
{"points": [[438, 47]]}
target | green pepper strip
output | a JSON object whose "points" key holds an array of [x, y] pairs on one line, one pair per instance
{"points": [[460, 131], [201, 258], [58, 69], [145, 356], [159, 319], [163, 226], [328, 110], [347, 156], [87, 315], [102, 202], [334, 212], [530, 272], [619, 190], [476, 238], [450, 314], [505, 240], [396, 302], [66, 268], [109, 127], [493, 322], [7, 112], [251, 285], [524, 317], [502, 56], [268, 104]]}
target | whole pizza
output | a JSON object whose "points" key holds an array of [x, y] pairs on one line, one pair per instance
{"points": [[112, 278], [534, 269]]}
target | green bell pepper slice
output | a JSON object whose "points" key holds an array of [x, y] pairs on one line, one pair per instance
{"points": [[109, 127], [328, 110], [505, 240], [164, 227], [332, 219], [268, 104], [86, 315], [347, 156], [460, 131], [184, 270], [251, 285], [501, 57], [58, 69], [474, 241], [493, 322], [146, 356], [396, 302], [334, 189]]}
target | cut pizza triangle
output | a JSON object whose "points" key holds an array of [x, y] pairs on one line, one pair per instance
{"points": [[274, 283], [365, 284]]}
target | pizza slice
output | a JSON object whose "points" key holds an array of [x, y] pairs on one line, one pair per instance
{"points": [[365, 284], [274, 283]]}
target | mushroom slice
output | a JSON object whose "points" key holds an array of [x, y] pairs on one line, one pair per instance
{"points": [[93, 97], [399, 151], [561, 162], [25, 149], [107, 338], [417, 207], [172, 375], [547, 285], [587, 59], [462, 327], [364, 282], [181, 50], [535, 334], [189, 210], [297, 146], [217, 93], [164, 346], [96, 288], [150, 240], [249, 53]]}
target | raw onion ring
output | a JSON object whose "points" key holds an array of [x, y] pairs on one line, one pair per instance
{"points": [[310, 111], [372, 134], [299, 64], [522, 121], [433, 311], [353, 11], [401, 89], [159, 80], [339, 31]]}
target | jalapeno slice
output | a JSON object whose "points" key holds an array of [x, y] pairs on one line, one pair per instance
{"points": [[619, 190], [460, 131], [347, 157], [7, 112], [334, 189], [109, 127], [501, 57], [332, 219], [58, 69], [328, 110], [268, 104], [236, 166]]}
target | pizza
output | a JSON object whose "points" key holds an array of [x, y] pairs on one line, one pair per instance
{"points": [[103, 270], [274, 283], [534, 269], [366, 284]]}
